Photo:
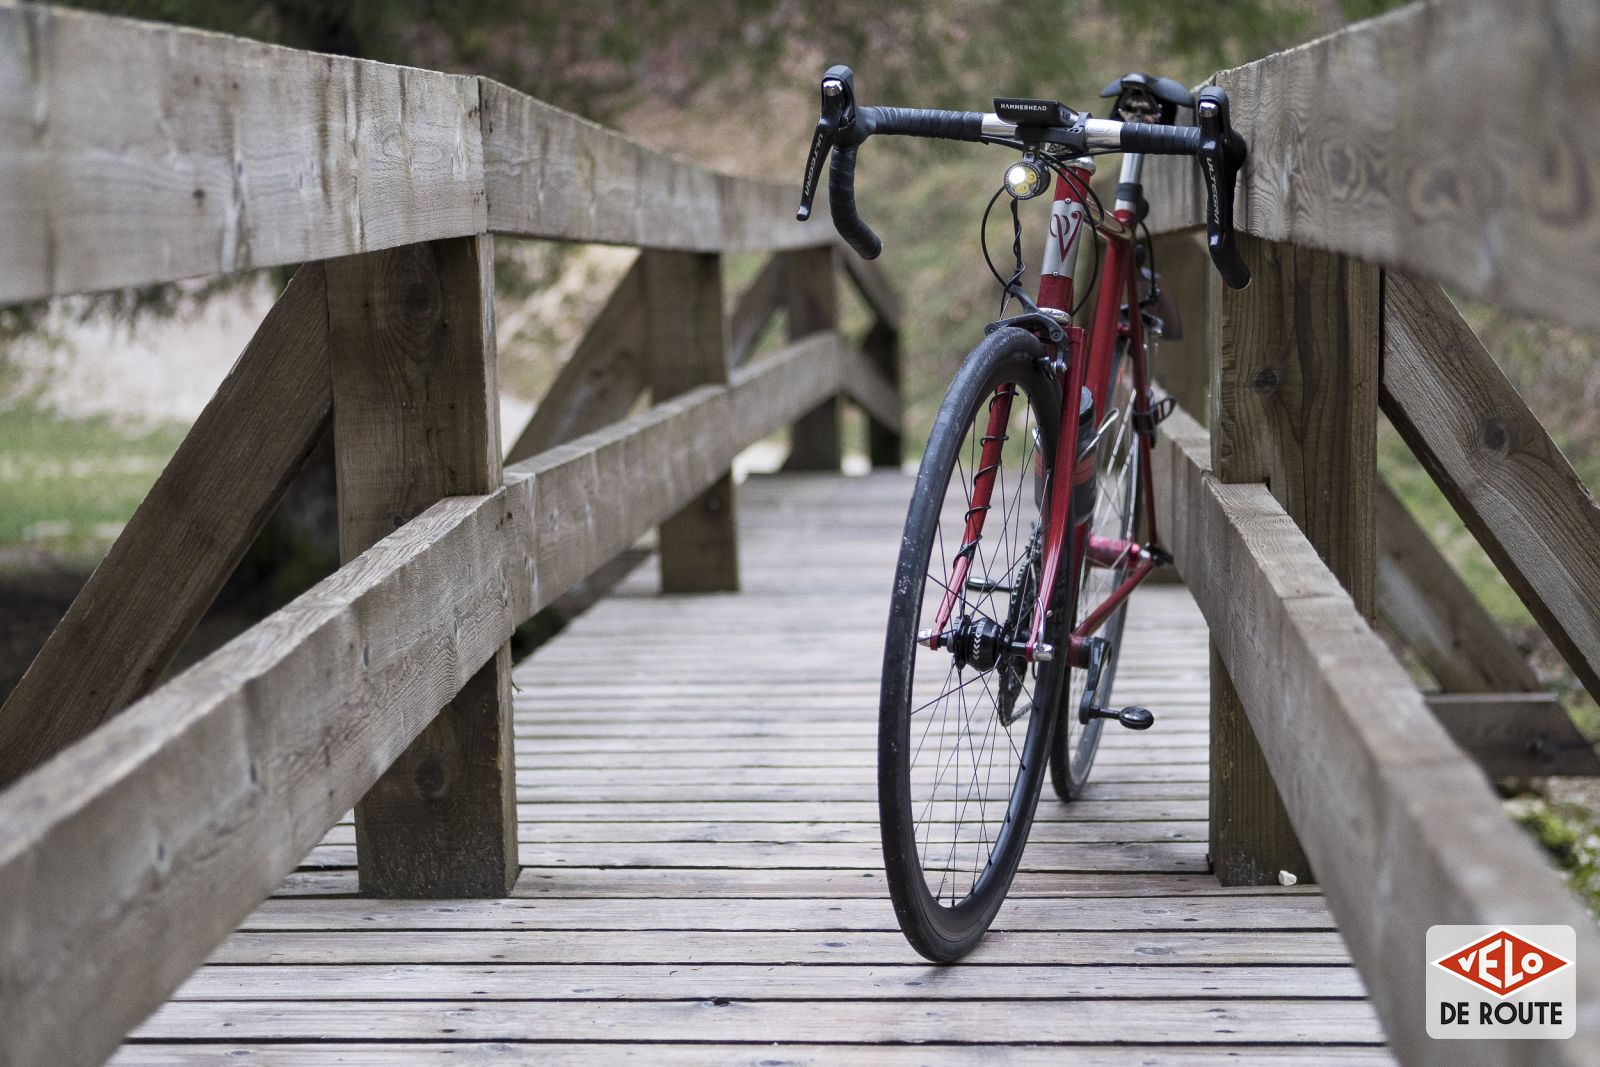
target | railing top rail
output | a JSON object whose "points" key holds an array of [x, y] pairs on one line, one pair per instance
{"points": [[1430, 139], [190, 153]]}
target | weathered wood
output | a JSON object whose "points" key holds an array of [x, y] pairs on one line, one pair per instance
{"points": [[1088, 915], [758, 216], [552, 883], [1497, 465], [1422, 598], [1363, 143], [194, 153], [648, 882], [245, 155], [688, 347], [813, 306], [1082, 831], [1252, 840], [1385, 803], [872, 947], [163, 572], [750, 982], [876, 393], [874, 287], [416, 418], [761, 1021], [551, 174], [196, 801], [705, 1054], [1294, 398], [596, 496], [1182, 365], [1515, 735], [754, 309], [608, 371], [881, 347], [600, 382], [1060, 858], [629, 934]]}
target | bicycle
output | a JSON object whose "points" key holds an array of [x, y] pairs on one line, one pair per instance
{"points": [[1014, 626]]}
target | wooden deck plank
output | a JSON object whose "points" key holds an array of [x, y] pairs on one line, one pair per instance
{"points": [[703, 879], [663, 981], [779, 833], [1001, 947], [586, 1054], [740, 913], [971, 1022], [1042, 856], [625, 883]]}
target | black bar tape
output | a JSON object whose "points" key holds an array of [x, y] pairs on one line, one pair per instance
{"points": [[922, 122], [842, 203], [1157, 140]]}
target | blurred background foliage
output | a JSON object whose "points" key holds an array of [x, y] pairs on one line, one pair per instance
{"points": [[732, 83]]}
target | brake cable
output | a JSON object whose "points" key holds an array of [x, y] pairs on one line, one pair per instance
{"points": [[1009, 288]]}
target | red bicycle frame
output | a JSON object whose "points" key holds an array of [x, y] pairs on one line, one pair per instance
{"points": [[1086, 363]]}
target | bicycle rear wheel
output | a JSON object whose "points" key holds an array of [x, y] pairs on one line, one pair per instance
{"points": [[964, 730], [1118, 512]]}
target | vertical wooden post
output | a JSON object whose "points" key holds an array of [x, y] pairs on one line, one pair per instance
{"points": [[416, 418], [1182, 366], [688, 347], [885, 447], [814, 306], [1294, 398]]}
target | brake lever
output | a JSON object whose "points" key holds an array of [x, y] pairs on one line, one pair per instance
{"points": [[1222, 153], [837, 111]]}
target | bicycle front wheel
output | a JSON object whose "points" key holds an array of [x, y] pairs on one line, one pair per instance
{"points": [[964, 729]]}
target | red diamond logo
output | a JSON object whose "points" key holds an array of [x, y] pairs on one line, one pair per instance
{"points": [[1502, 963]]}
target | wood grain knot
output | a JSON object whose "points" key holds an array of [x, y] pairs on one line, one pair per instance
{"points": [[1493, 436], [418, 298], [1266, 381], [431, 777]]}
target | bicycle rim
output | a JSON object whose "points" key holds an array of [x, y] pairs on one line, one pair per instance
{"points": [[963, 748]]}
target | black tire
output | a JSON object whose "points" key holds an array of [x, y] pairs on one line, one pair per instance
{"points": [[942, 912], [1119, 512]]}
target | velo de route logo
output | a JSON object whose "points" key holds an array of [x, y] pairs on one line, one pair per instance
{"points": [[1502, 982]]}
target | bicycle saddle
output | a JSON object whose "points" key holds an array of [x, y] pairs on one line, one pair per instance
{"points": [[1141, 98]]}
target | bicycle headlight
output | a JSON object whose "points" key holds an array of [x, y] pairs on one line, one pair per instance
{"points": [[1026, 179]]}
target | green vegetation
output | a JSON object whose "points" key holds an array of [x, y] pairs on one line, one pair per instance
{"points": [[68, 485], [1570, 832]]}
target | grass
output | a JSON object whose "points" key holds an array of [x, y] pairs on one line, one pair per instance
{"points": [[1570, 833], [69, 485]]}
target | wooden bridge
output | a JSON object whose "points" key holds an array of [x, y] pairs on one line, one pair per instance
{"points": [[655, 838]]}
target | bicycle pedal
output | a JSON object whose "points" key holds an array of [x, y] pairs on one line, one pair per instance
{"points": [[1134, 718]]}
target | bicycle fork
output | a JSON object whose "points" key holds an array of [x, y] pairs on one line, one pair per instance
{"points": [[994, 439], [1077, 451]]}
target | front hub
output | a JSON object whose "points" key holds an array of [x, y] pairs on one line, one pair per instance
{"points": [[977, 643]]}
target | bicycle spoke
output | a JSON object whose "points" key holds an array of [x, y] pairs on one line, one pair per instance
{"points": [[964, 761]]}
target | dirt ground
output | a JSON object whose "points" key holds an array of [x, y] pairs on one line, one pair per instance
{"points": [[36, 589]]}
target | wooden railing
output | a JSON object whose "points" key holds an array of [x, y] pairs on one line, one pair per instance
{"points": [[1399, 154], [139, 824]]}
